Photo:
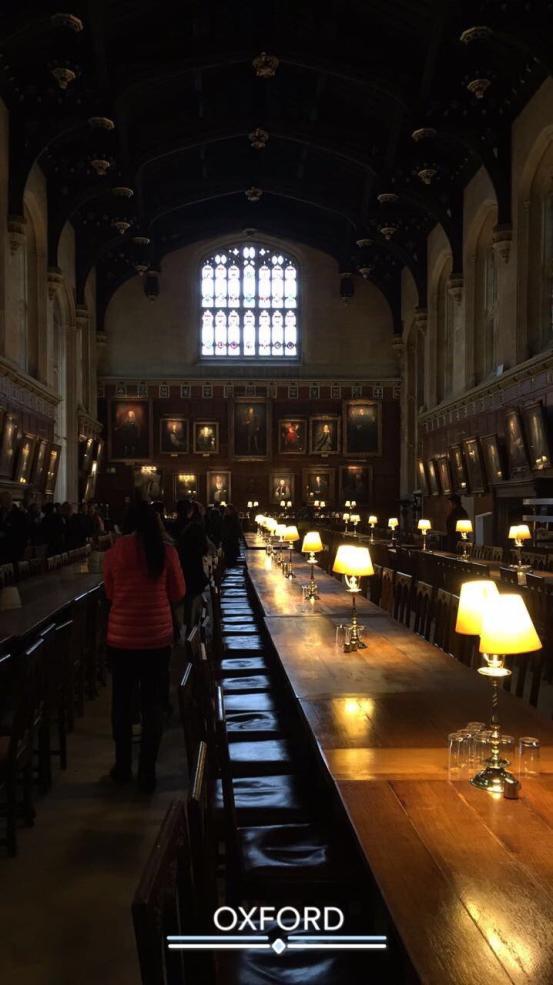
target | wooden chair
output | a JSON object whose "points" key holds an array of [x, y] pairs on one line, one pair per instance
{"points": [[387, 591], [57, 639], [423, 596], [403, 585], [375, 584], [441, 629], [509, 576]]}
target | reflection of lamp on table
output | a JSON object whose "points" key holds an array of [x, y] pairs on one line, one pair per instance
{"points": [[373, 520], [464, 527], [506, 628], [353, 563], [424, 526], [291, 535], [519, 534], [312, 545]]}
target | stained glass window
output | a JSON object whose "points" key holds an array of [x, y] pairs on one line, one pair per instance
{"points": [[249, 304]]}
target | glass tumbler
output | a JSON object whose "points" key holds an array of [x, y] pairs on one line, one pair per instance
{"points": [[459, 750], [507, 750], [529, 756], [342, 635]]}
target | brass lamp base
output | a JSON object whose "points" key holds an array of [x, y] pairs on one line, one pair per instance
{"points": [[493, 777]]}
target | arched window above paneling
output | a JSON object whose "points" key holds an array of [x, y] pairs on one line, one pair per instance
{"points": [[249, 302]]}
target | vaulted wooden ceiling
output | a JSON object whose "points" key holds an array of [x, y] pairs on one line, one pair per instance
{"points": [[162, 97]]}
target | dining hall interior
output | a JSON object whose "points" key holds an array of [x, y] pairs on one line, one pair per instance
{"points": [[276, 492]]}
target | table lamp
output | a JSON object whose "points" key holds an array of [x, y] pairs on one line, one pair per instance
{"points": [[506, 628], [348, 504], [259, 521], [519, 533], [345, 518], [291, 535], [464, 527], [473, 599], [283, 504], [393, 524], [355, 519], [289, 504], [424, 526], [322, 503], [255, 504], [279, 532], [270, 527], [373, 520], [312, 545], [250, 504], [353, 562]]}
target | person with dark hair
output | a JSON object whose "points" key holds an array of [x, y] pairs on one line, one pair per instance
{"points": [[52, 530], [143, 580], [231, 535], [456, 512], [214, 525], [192, 546], [184, 510]]}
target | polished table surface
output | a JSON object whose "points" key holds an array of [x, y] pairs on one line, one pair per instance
{"points": [[43, 596], [467, 877]]}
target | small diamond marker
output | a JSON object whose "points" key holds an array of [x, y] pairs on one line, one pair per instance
{"points": [[278, 946]]}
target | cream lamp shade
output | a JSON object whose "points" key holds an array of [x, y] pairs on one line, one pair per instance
{"points": [[291, 534], [322, 504], [345, 516], [316, 503], [351, 560], [373, 520], [424, 525], [289, 503], [283, 502], [463, 527], [520, 531], [312, 543], [507, 627], [271, 524], [280, 530], [475, 597], [355, 518], [259, 519], [347, 504], [250, 504], [393, 522]]}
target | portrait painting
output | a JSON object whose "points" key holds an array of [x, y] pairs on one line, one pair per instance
{"points": [[362, 427], [433, 483], [25, 457], [40, 461], [148, 480], [324, 435], [8, 446], [90, 488], [318, 484], [173, 435], [205, 437], [517, 458], [475, 465], [492, 458], [444, 475], [218, 488], [250, 420], [52, 470], [537, 437], [281, 487], [129, 430], [458, 468], [422, 477], [356, 483], [292, 436], [186, 486], [86, 449]]}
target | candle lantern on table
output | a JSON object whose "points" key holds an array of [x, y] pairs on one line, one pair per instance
{"points": [[393, 524], [373, 520], [424, 526], [464, 527], [312, 545], [520, 533], [291, 535], [353, 562]]}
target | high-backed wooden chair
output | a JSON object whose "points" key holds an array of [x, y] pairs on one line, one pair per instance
{"points": [[441, 628], [386, 600], [422, 599], [403, 584]]}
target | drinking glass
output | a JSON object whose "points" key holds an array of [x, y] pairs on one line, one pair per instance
{"points": [[459, 749], [342, 635], [507, 750], [529, 756], [475, 729], [482, 748]]}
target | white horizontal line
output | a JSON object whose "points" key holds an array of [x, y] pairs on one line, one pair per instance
{"points": [[338, 937], [217, 937], [220, 946], [336, 947]]}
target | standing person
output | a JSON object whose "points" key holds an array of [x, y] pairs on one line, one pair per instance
{"points": [[193, 548], [456, 512], [231, 535], [143, 580]]}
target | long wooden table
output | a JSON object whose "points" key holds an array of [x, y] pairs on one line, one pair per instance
{"points": [[467, 877], [42, 597]]}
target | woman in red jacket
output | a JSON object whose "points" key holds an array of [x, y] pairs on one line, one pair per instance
{"points": [[143, 579]]}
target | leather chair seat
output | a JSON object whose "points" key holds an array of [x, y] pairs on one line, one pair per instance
{"points": [[242, 666], [243, 628], [290, 968], [252, 702], [259, 758], [244, 685], [235, 620], [262, 800], [289, 852], [252, 725], [232, 607], [243, 644]]}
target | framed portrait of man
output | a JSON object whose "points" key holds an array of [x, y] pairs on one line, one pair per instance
{"points": [[205, 437], [475, 465], [318, 484], [86, 453], [149, 481], [281, 487], [356, 483], [218, 488], [493, 462], [292, 436], [8, 445], [250, 428], [54, 455], [40, 461], [444, 474], [173, 435], [517, 458], [129, 430], [25, 457], [362, 421], [324, 435], [537, 436], [458, 469], [432, 473], [186, 485]]}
